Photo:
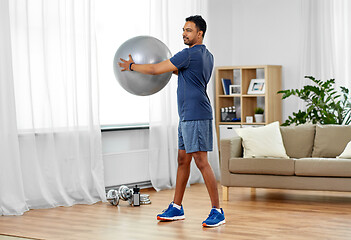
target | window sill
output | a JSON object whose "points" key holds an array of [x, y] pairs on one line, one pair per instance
{"points": [[109, 128]]}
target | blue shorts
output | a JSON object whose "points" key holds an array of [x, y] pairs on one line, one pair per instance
{"points": [[195, 136]]}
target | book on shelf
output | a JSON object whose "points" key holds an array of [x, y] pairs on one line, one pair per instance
{"points": [[226, 82]]}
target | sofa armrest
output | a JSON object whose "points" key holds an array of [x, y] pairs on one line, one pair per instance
{"points": [[229, 148], [236, 147]]}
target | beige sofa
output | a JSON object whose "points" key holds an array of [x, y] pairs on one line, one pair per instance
{"points": [[312, 164]]}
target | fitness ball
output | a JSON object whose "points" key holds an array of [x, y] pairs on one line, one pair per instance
{"points": [[144, 50]]}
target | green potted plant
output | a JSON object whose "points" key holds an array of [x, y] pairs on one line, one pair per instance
{"points": [[259, 115], [324, 105]]}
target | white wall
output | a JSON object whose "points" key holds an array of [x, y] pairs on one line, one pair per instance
{"points": [[268, 32], [219, 35]]}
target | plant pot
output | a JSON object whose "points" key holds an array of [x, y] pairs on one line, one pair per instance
{"points": [[259, 118]]}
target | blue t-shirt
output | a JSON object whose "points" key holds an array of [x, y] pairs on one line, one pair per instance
{"points": [[194, 66]]}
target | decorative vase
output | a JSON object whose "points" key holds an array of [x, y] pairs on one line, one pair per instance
{"points": [[258, 118]]}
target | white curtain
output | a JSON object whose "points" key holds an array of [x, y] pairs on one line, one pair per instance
{"points": [[12, 199], [49, 106], [326, 51], [318, 52], [342, 26], [167, 19]]}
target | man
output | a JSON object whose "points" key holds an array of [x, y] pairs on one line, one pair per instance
{"points": [[193, 66]]}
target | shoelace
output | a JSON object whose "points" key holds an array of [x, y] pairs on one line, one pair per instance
{"points": [[212, 214], [166, 209]]}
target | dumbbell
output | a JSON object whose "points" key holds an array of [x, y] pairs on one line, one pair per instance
{"points": [[113, 197], [123, 193], [126, 194]]}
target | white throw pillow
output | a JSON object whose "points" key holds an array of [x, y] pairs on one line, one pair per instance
{"points": [[347, 152], [262, 141]]}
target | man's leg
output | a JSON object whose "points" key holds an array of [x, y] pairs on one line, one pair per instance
{"points": [[208, 175], [174, 212], [216, 216], [183, 172]]}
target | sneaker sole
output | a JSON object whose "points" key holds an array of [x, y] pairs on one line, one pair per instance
{"points": [[171, 218], [215, 225]]}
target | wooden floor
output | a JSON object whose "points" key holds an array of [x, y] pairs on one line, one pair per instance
{"points": [[267, 214]]}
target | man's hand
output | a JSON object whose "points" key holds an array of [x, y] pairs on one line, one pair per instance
{"points": [[125, 64], [151, 69]]}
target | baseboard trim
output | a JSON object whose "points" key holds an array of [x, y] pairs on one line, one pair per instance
{"points": [[141, 185]]}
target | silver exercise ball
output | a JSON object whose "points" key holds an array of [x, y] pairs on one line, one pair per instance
{"points": [[144, 50]]}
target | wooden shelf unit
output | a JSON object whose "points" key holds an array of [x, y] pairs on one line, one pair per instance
{"points": [[270, 101]]}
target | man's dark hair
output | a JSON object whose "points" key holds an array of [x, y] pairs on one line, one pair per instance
{"points": [[199, 22]]}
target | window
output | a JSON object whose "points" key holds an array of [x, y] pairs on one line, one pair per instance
{"points": [[116, 22]]}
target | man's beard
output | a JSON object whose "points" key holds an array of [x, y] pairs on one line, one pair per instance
{"points": [[187, 42]]}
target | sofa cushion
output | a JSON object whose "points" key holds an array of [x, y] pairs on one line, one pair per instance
{"points": [[331, 140], [298, 140], [347, 152], [262, 141], [273, 166], [323, 167]]}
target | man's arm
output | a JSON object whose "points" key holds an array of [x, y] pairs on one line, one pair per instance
{"points": [[152, 69]]}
